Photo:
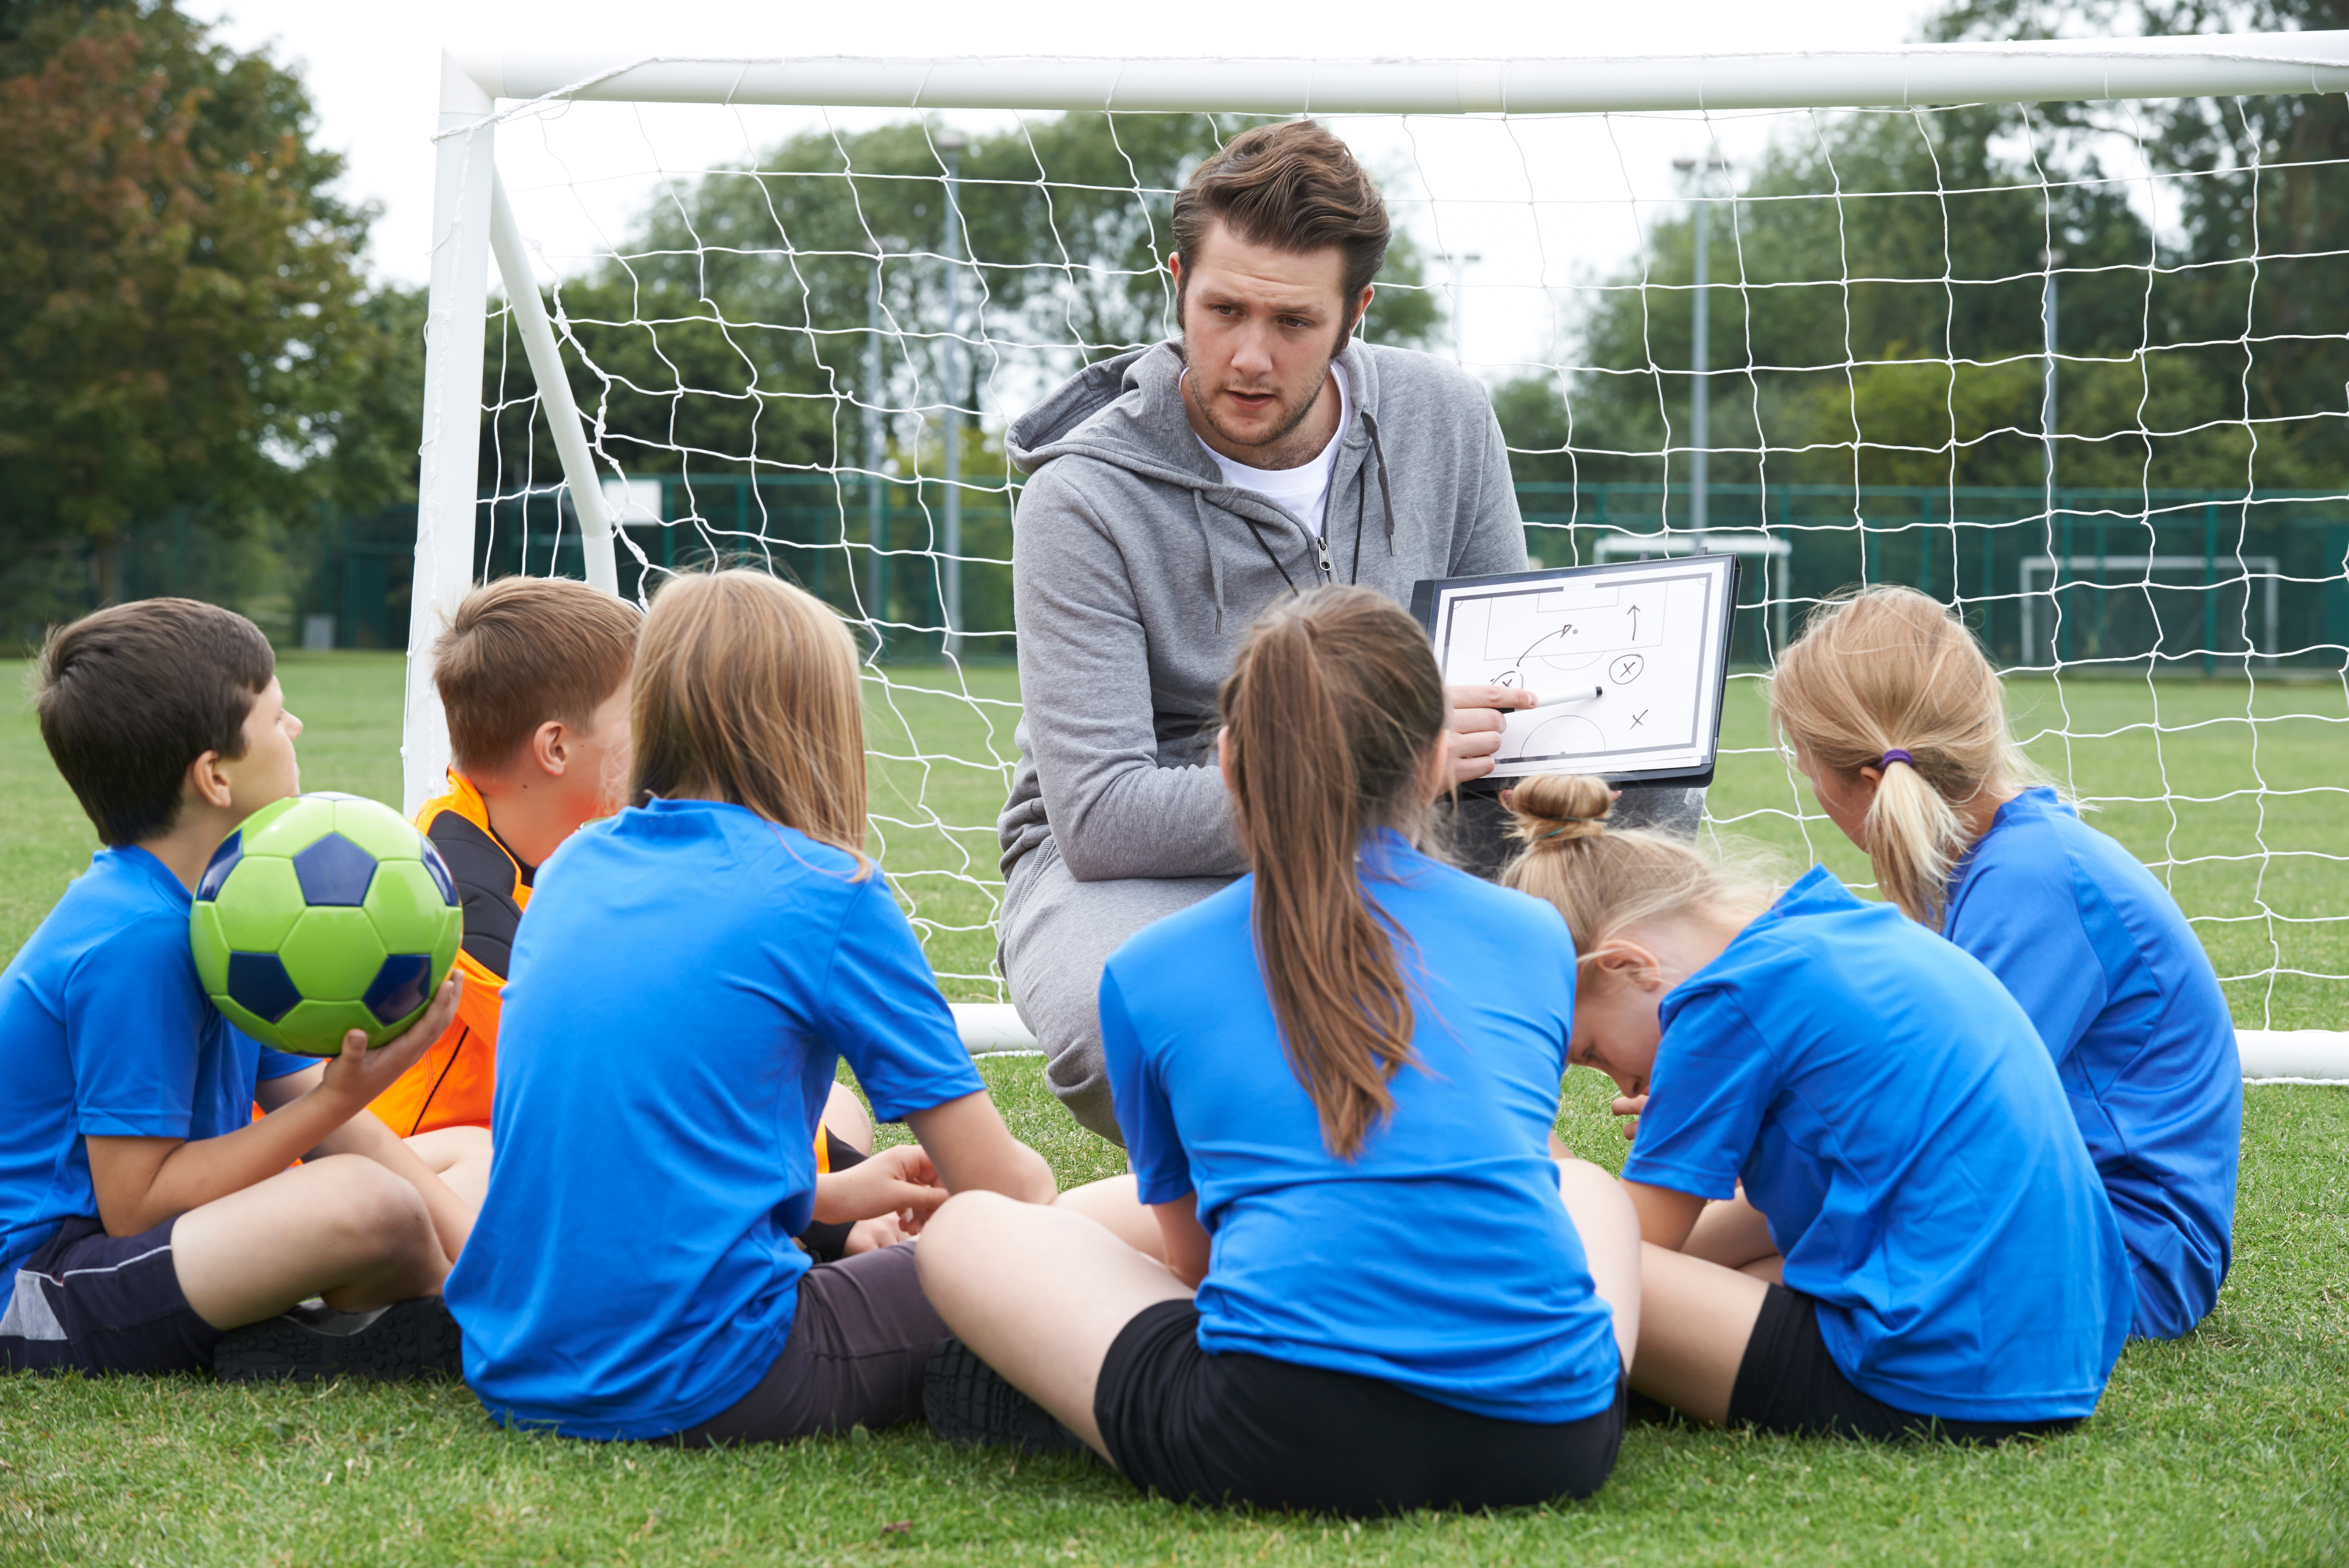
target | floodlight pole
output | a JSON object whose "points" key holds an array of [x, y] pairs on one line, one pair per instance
{"points": [[950, 145], [876, 526], [1700, 353]]}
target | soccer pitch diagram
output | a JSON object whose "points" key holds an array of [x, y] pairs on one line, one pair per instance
{"points": [[1626, 659]]}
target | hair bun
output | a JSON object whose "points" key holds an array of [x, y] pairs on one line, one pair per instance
{"points": [[1557, 808]]}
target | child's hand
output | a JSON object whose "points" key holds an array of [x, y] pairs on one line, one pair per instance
{"points": [[872, 1235], [360, 1075], [1629, 1107], [898, 1181]]}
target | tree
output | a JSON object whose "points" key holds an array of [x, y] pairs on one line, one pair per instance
{"points": [[1903, 378], [178, 287], [728, 326]]}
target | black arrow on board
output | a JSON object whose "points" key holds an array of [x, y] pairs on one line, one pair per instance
{"points": [[1635, 620]]}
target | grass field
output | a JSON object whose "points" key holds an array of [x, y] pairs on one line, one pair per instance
{"points": [[2229, 1447]]}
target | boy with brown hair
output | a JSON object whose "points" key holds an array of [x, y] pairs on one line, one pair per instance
{"points": [[147, 1219], [533, 674]]}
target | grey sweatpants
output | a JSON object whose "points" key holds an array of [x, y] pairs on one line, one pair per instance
{"points": [[1057, 934]]}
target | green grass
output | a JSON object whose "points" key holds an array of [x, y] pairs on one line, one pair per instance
{"points": [[2229, 1447]]}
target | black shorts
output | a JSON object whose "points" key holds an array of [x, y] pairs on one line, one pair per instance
{"points": [[91, 1302], [1239, 1428], [1788, 1383], [861, 1336]]}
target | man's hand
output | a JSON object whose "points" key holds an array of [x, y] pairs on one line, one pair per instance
{"points": [[899, 1182], [1472, 735], [359, 1074]]}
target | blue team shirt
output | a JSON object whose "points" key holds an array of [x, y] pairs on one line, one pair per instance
{"points": [[683, 985], [1439, 1258], [105, 1033], [1894, 1116], [2101, 957]]}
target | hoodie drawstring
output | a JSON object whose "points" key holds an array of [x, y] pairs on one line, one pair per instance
{"points": [[1362, 503], [1362, 494]]}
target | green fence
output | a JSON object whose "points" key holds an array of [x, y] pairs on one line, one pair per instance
{"points": [[2193, 581]]}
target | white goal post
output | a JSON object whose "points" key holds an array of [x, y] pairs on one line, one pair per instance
{"points": [[474, 222]]}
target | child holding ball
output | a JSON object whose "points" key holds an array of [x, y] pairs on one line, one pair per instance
{"points": [[1899, 720], [1923, 1244], [1349, 1054], [687, 979], [148, 1220]]}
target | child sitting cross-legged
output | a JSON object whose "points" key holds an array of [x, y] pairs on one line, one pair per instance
{"points": [[532, 674], [1899, 720], [145, 1214], [688, 976], [1922, 1244], [1347, 1053]]}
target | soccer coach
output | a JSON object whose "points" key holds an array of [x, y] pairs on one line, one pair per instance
{"points": [[1176, 491]]}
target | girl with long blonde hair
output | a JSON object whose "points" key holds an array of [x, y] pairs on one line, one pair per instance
{"points": [[686, 979], [1921, 1244], [1896, 714], [1336, 1080]]}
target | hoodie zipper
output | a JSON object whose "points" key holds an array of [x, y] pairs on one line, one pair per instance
{"points": [[1322, 552]]}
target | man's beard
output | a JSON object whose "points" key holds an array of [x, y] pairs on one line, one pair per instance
{"points": [[1295, 415]]}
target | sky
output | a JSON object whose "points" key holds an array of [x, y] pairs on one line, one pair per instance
{"points": [[372, 69]]}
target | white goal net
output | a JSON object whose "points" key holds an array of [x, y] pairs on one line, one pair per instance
{"points": [[2076, 364]]}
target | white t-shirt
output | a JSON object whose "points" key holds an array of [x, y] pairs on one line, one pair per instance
{"points": [[1305, 489]]}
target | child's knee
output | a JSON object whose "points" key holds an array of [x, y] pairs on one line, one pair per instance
{"points": [[370, 1210], [956, 1234], [453, 1147]]}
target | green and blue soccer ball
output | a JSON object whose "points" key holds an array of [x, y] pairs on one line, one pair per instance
{"points": [[324, 913]]}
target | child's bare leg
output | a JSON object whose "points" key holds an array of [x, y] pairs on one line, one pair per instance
{"points": [[1039, 1295], [1695, 1320], [847, 1118], [1609, 1229], [341, 1227], [460, 1156], [1112, 1205], [1734, 1235]]}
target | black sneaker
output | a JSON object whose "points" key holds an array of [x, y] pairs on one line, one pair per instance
{"points": [[409, 1339], [969, 1403]]}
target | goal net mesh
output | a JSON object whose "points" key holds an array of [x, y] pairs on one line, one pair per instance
{"points": [[2078, 369]]}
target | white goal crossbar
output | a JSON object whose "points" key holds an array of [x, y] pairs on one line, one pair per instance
{"points": [[472, 221]]}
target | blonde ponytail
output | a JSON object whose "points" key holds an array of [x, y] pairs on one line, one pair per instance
{"points": [[1605, 882], [1888, 678]]}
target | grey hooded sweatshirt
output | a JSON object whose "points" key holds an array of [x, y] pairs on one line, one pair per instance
{"points": [[1136, 571]]}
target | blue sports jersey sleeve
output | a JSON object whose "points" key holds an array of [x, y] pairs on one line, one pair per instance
{"points": [[2022, 919], [1162, 1167], [134, 1031], [271, 1063], [1714, 1080], [883, 1012]]}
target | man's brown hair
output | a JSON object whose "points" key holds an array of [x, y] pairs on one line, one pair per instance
{"points": [[523, 650], [130, 695], [1292, 186]]}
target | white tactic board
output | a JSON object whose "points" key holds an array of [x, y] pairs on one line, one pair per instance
{"points": [[1628, 658]]}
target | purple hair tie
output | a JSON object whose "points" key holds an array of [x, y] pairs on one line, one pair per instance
{"points": [[1895, 755]]}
